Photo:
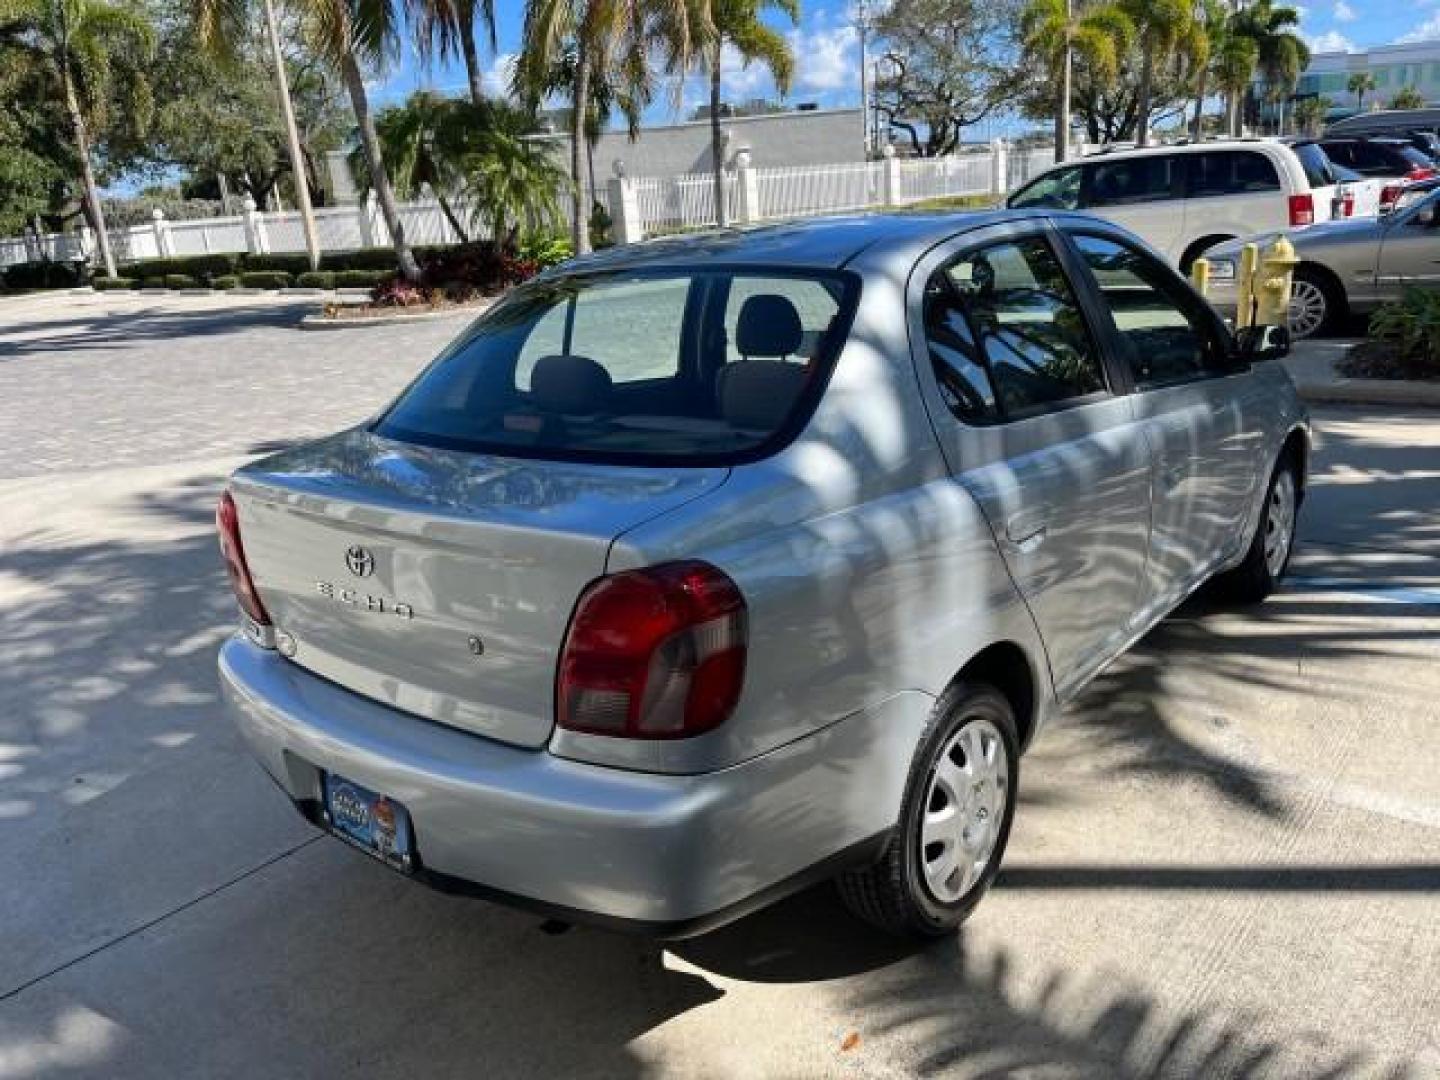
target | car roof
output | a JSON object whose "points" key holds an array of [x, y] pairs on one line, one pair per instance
{"points": [[816, 243], [1182, 148]]}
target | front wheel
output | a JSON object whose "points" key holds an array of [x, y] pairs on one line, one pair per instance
{"points": [[1315, 304], [1269, 555], [954, 821]]}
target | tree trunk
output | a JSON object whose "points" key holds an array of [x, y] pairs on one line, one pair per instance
{"points": [[1142, 98], [379, 180], [579, 105], [450, 217], [87, 173], [590, 171], [1062, 112], [1197, 128], [473, 74], [292, 139], [717, 143]]}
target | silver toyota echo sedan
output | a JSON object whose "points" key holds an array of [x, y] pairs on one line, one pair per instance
{"points": [[701, 569]]}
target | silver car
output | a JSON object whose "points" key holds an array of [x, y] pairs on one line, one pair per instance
{"points": [[1347, 267], [702, 569]]}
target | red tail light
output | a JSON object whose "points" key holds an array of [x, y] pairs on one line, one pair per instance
{"points": [[1347, 205], [227, 522], [654, 654], [1419, 172], [1302, 210], [1389, 193]]}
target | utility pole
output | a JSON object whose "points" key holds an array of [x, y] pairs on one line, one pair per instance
{"points": [[292, 136], [862, 19]]}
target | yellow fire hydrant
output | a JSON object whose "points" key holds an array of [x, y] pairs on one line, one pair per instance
{"points": [[1272, 283]]}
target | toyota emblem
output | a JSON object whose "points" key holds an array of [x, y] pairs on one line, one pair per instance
{"points": [[360, 561]]}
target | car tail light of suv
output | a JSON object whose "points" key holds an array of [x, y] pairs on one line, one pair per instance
{"points": [[1302, 210], [227, 523], [1419, 172], [657, 653]]}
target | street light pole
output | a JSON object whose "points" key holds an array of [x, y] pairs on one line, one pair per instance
{"points": [[864, 87], [292, 136]]}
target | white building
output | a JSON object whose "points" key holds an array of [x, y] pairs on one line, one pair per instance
{"points": [[1394, 67]]}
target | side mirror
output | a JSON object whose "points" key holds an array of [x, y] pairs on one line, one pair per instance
{"points": [[1256, 343]]}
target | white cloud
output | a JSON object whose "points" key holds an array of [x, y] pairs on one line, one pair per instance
{"points": [[498, 75], [827, 59], [1426, 31], [1344, 13], [1330, 41]]}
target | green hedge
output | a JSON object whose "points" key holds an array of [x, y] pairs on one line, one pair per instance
{"points": [[106, 284], [266, 279], [199, 267], [225, 281], [42, 275], [360, 279], [316, 279], [181, 281], [153, 284]]}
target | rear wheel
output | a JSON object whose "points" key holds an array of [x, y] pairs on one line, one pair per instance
{"points": [[954, 821], [1315, 303], [1269, 555]]}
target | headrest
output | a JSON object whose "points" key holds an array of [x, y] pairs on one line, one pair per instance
{"points": [[570, 384], [759, 394], [768, 325]]}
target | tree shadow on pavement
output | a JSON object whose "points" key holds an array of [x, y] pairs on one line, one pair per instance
{"points": [[105, 330]]}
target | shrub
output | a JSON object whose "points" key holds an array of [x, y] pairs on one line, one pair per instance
{"points": [[316, 279], [181, 281], [106, 284], [361, 279], [1405, 340], [153, 284], [288, 264], [200, 267], [44, 275], [265, 279], [299, 263], [546, 251], [225, 281], [397, 292]]}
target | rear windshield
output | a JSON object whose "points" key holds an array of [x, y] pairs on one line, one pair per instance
{"points": [[693, 368]]}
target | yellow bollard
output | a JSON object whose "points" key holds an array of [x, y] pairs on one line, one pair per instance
{"points": [[1245, 287], [1200, 276], [1272, 286]]}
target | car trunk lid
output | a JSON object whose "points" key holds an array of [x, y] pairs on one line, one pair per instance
{"points": [[436, 581]]}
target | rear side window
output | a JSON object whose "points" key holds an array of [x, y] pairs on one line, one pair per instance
{"points": [[688, 368], [1231, 172], [1058, 190], [1006, 335], [1132, 180], [1319, 169]]}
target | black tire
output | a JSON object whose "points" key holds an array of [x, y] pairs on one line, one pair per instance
{"points": [[1257, 577], [1333, 297], [891, 893]]}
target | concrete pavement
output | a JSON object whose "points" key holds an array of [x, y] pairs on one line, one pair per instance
{"points": [[1227, 858]]}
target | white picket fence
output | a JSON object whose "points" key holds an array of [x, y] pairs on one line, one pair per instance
{"points": [[638, 206]]}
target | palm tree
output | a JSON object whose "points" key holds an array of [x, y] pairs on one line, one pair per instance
{"points": [[85, 45], [1280, 53], [738, 24], [510, 176], [424, 142], [1234, 68], [444, 28], [1360, 84], [1408, 97], [1212, 23], [348, 34], [1054, 32], [606, 37], [1161, 26], [1310, 114]]}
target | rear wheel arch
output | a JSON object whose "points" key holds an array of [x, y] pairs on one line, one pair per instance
{"points": [[1007, 667], [1199, 247]]}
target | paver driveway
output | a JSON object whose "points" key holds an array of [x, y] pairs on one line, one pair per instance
{"points": [[1227, 861]]}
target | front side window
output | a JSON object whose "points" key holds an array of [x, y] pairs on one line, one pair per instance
{"points": [[1009, 338], [1164, 343], [1058, 190], [1131, 180], [686, 368]]}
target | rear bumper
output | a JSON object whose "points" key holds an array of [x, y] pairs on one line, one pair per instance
{"points": [[668, 855]]}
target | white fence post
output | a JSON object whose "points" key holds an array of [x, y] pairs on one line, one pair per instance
{"points": [[625, 209], [890, 186], [999, 167], [161, 229], [747, 209], [256, 240]]}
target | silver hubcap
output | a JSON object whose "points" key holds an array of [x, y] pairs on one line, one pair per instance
{"points": [[964, 807], [1279, 523], [1307, 308]]}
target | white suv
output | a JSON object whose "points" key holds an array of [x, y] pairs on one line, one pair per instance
{"points": [[1186, 198]]}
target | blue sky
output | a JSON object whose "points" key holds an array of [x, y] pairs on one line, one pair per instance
{"points": [[827, 52]]}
